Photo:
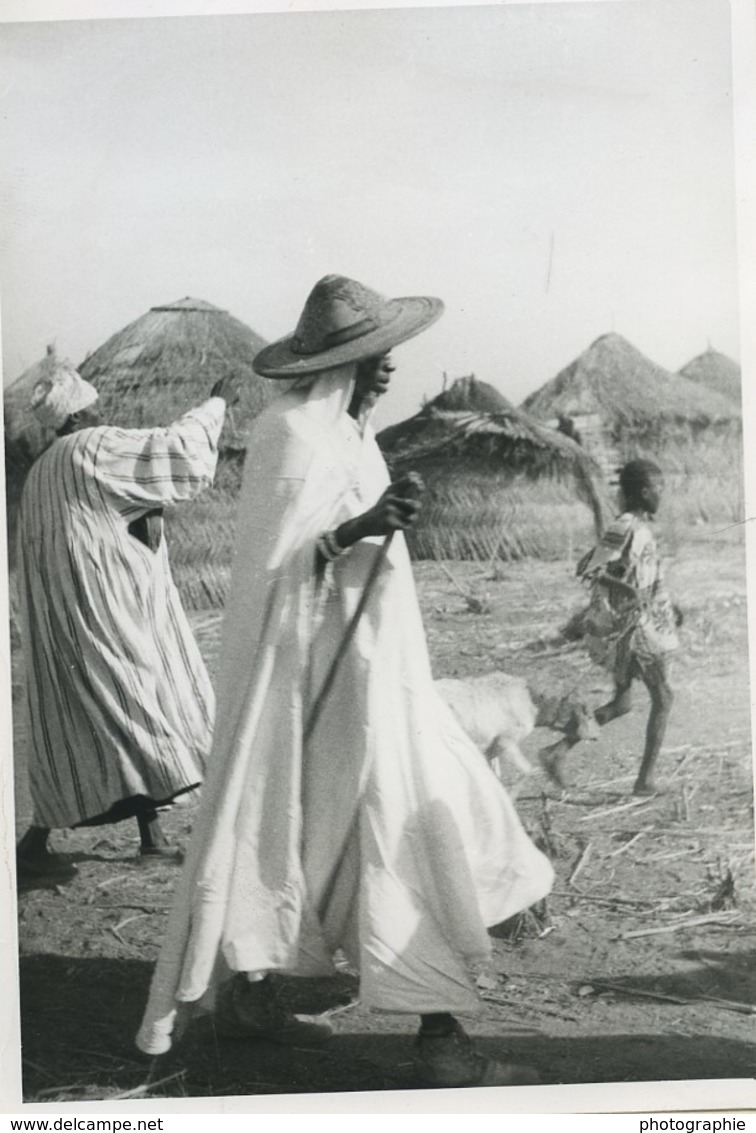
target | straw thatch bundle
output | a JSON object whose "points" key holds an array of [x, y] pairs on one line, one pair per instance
{"points": [[167, 360], [631, 394], [717, 372], [464, 395], [499, 484], [470, 393]]}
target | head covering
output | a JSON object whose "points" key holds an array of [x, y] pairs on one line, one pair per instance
{"points": [[59, 393], [344, 321]]}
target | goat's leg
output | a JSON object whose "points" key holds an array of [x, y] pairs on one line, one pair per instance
{"points": [[655, 679], [504, 747], [553, 758]]}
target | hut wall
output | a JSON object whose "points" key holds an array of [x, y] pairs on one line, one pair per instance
{"points": [[472, 513]]}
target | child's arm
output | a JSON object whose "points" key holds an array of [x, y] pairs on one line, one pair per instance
{"points": [[610, 582]]}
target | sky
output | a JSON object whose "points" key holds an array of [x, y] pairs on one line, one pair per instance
{"points": [[551, 171]]}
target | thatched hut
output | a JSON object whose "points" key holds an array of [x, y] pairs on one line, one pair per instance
{"points": [[147, 374], [717, 372], [626, 406], [167, 360], [637, 402], [498, 483], [154, 369]]}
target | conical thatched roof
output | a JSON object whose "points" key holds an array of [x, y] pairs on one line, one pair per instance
{"points": [[465, 395], [508, 440], [717, 372], [467, 456], [471, 394], [167, 360], [628, 391]]}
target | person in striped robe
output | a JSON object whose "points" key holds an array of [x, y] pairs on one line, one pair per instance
{"points": [[118, 699]]}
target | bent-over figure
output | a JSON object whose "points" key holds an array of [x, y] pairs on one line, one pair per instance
{"points": [[118, 699]]}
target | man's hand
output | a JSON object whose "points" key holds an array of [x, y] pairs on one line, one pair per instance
{"points": [[396, 510], [227, 388]]}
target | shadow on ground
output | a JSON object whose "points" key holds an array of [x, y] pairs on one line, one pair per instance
{"points": [[721, 974], [80, 1017]]}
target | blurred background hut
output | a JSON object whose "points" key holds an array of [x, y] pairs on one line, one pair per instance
{"points": [[717, 372], [499, 485], [625, 406]]}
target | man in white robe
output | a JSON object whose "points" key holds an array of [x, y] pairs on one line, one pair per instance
{"points": [[118, 699], [376, 828]]}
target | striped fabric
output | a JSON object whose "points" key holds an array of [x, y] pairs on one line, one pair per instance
{"points": [[119, 701]]}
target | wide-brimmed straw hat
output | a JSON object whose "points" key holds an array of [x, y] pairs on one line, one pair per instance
{"points": [[344, 321]]}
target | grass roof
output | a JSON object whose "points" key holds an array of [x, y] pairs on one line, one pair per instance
{"points": [[167, 361], [717, 372], [487, 451], [615, 380], [470, 393], [464, 395]]}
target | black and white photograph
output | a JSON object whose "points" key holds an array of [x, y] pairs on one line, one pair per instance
{"points": [[376, 646]]}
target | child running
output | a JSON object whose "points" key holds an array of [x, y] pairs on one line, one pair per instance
{"points": [[630, 622]]}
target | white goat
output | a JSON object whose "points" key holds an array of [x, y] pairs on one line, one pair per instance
{"points": [[498, 711]]}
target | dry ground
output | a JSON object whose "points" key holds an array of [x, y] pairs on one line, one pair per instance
{"points": [[641, 968]]}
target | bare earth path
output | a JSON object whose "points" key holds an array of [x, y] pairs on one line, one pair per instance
{"points": [[641, 968]]}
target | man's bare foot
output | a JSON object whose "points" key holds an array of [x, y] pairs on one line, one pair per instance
{"points": [[645, 788]]}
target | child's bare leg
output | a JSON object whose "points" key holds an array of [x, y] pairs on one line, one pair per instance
{"points": [[655, 679], [619, 705], [553, 758]]}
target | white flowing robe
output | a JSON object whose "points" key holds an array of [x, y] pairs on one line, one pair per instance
{"points": [[387, 836], [118, 698]]}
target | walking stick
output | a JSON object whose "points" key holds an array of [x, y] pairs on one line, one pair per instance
{"points": [[322, 696]]}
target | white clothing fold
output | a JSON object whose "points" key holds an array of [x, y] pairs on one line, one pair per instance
{"points": [[389, 837]]}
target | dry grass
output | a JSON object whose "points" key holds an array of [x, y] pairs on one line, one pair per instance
{"points": [[583, 999]]}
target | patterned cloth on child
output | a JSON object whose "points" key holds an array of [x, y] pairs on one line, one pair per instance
{"points": [[630, 622]]}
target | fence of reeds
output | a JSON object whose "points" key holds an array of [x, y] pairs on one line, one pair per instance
{"points": [[704, 480], [501, 519]]}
